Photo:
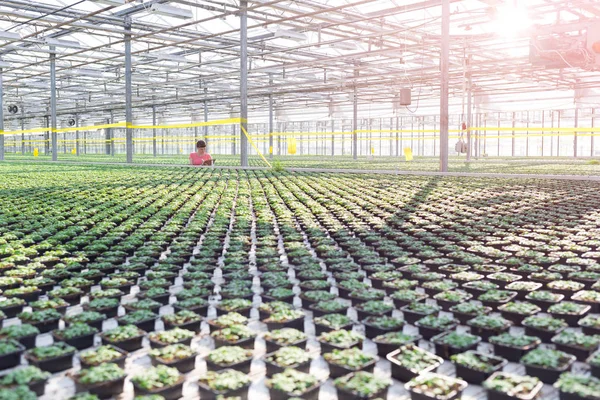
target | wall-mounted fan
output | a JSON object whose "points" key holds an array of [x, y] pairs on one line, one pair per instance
{"points": [[13, 109], [71, 122]]}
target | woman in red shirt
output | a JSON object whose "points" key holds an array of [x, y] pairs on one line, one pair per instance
{"points": [[200, 156]]}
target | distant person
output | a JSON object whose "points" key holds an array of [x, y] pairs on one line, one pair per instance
{"points": [[200, 156]]}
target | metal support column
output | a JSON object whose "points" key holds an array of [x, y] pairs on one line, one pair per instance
{"points": [[205, 120], [243, 82], [527, 137], [333, 138], [128, 94], [1, 117], [398, 127], [593, 133], [513, 134], [47, 136], [270, 118], [107, 138], [53, 103], [469, 114], [558, 136], [233, 140], [355, 118], [444, 92], [154, 149], [576, 125], [543, 133], [77, 150]]}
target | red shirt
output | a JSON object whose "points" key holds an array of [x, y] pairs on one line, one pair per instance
{"points": [[198, 159]]}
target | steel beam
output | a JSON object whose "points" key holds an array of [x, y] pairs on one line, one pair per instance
{"points": [[77, 150], [154, 150], [243, 82], [128, 94], [444, 91], [271, 118], [1, 117], [355, 118], [469, 113], [53, 134]]}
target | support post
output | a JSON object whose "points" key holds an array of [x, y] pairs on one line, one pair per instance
{"points": [[469, 113], [333, 138], [77, 150], [355, 118], [397, 134], [576, 125], [243, 82], [593, 133], [47, 137], [154, 149], [271, 118], [1, 117], [544, 133], [513, 134], [444, 92], [107, 137], [128, 94], [205, 120], [53, 104]]}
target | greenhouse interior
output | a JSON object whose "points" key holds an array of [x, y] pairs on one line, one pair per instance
{"points": [[300, 199]]}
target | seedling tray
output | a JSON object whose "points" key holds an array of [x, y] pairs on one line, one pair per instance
{"points": [[183, 365], [129, 345], [13, 359], [547, 375], [247, 343], [383, 349], [172, 392], [496, 395], [242, 366], [310, 393], [513, 354], [336, 370], [475, 376], [103, 390], [52, 365], [273, 369], [120, 361], [404, 374], [272, 346], [207, 393], [80, 343]]}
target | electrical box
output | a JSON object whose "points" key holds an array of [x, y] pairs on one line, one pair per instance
{"points": [[405, 97]]}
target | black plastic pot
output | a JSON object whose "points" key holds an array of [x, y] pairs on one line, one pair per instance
{"points": [[72, 299], [411, 317], [38, 387], [311, 393], [571, 319], [206, 393], [29, 297], [328, 347], [463, 318], [45, 326], [580, 353], [363, 314], [446, 351], [96, 324], [128, 345], [103, 390], [13, 311], [336, 370], [544, 304], [475, 376], [545, 336], [348, 395], [515, 318], [193, 326], [372, 331], [183, 365], [273, 369], [317, 312], [13, 359], [242, 366], [52, 365], [486, 333], [247, 343], [162, 299], [146, 325], [496, 395], [110, 312], [200, 310], [421, 396], [496, 304], [172, 392], [245, 311], [80, 343], [401, 303], [513, 354], [273, 346], [383, 349], [404, 374], [547, 375], [320, 329], [428, 332], [297, 323]]}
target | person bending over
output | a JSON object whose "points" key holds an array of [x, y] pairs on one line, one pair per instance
{"points": [[200, 156]]}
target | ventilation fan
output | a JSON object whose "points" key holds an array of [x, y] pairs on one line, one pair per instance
{"points": [[71, 122], [13, 109]]}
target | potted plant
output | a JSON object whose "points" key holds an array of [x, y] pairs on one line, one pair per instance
{"points": [[44, 320], [543, 327], [341, 339], [588, 297], [104, 380], [78, 335], [450, 298], [183, 319], [513, 347], [12, 307], [404, 297], [517, 311], [375, 308], [568, 288], [544, 298], [241, 306], [578, 344], [503, 278], [331, 322], [495, 298], [448, 344], [284, 337], [143, 319], [91, 318], [234, 335], [342, 362], [434, 386], [546, 364], [225, 357], [314, 296], [293, 384], [569, 311], [409, 361], [469, 310], [486, 326], [24, 334], [224, 384], [178, 356], [101, 355], [280, 294], [434, 287], [53, 358], [266, 309], [158, 294], [476, 367], [104, 305], [162, 380], [361, 385], [523, 288], [505, 386], [117, 283], [70, 294], [430, 325], [594, 362], [285, 319], [18, 392], [229, 319], [590, 325], [325, 307], [378, 278], [577, 387], [56, 304], [363, 295], [31, 376], [171, 336], [478, 287], [388, 342], [195, 304], [10, 353], [145, 304], [378, 325], [126, 337], [27, 293], [287, 357], [415, 311]]}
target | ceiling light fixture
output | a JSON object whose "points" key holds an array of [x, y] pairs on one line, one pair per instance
{"points": [[72, 44], [291, 35], [170, 11], [344, 45], [115, 3], [4, 35]]}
